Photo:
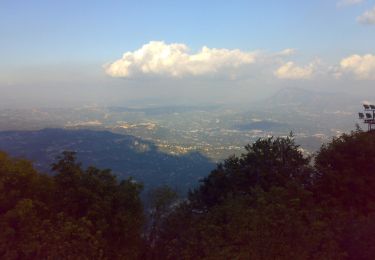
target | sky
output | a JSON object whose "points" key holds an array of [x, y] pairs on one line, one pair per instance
{"points": [[68, 53]]}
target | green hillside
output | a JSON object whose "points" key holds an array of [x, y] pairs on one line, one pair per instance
{"points": [[269, 203]]}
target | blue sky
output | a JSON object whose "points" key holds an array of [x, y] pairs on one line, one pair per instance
{"points": [[44, 42]]}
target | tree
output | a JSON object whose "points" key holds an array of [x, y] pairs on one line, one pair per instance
{"points": [[162, 200], [346, 172], [267, 163], [344, 187], [256, 206], [75, 214]]}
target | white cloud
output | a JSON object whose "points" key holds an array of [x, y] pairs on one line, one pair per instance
{"points": [[367, 17], [157, 58], [348, 2], [362, 67], [290, 70], [287, 52]]}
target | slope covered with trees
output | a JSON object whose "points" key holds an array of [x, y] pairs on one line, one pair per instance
{"points": [[126, 155], [76, 214], [269, 203], [272, 203]]}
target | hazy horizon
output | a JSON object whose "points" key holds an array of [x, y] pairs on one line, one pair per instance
{"points": [[118, 52]]}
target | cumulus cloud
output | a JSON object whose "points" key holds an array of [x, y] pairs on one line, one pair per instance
{"points": [[362, 67], [367, 17], [287, 52], [291, 71], [348, 2], [157, 58]]}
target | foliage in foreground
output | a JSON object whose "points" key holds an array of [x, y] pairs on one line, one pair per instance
{"points": [[272, 203], [76, 214], [269, 203]]}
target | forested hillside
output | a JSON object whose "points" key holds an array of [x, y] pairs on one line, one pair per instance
{"points": [[269, 203], [126, 155]]}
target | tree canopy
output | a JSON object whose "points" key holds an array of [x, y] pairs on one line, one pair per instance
{"points": [[76, 213], [273, 203], [269, 203]]}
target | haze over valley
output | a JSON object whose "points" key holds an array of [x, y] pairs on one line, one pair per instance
{"points": [[214, 130], [187, 129]]}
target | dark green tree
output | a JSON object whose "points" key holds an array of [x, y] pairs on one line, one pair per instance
{"points": [[162, 201], [256, 206], [346, 172], [344, 187], [76, 214], [267, 163]]}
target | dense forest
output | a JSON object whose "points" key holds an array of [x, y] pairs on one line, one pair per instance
{"points": [[269, 203]]}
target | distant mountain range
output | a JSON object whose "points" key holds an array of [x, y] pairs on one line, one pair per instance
{"points": [[312, 100], [126, 155]]}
